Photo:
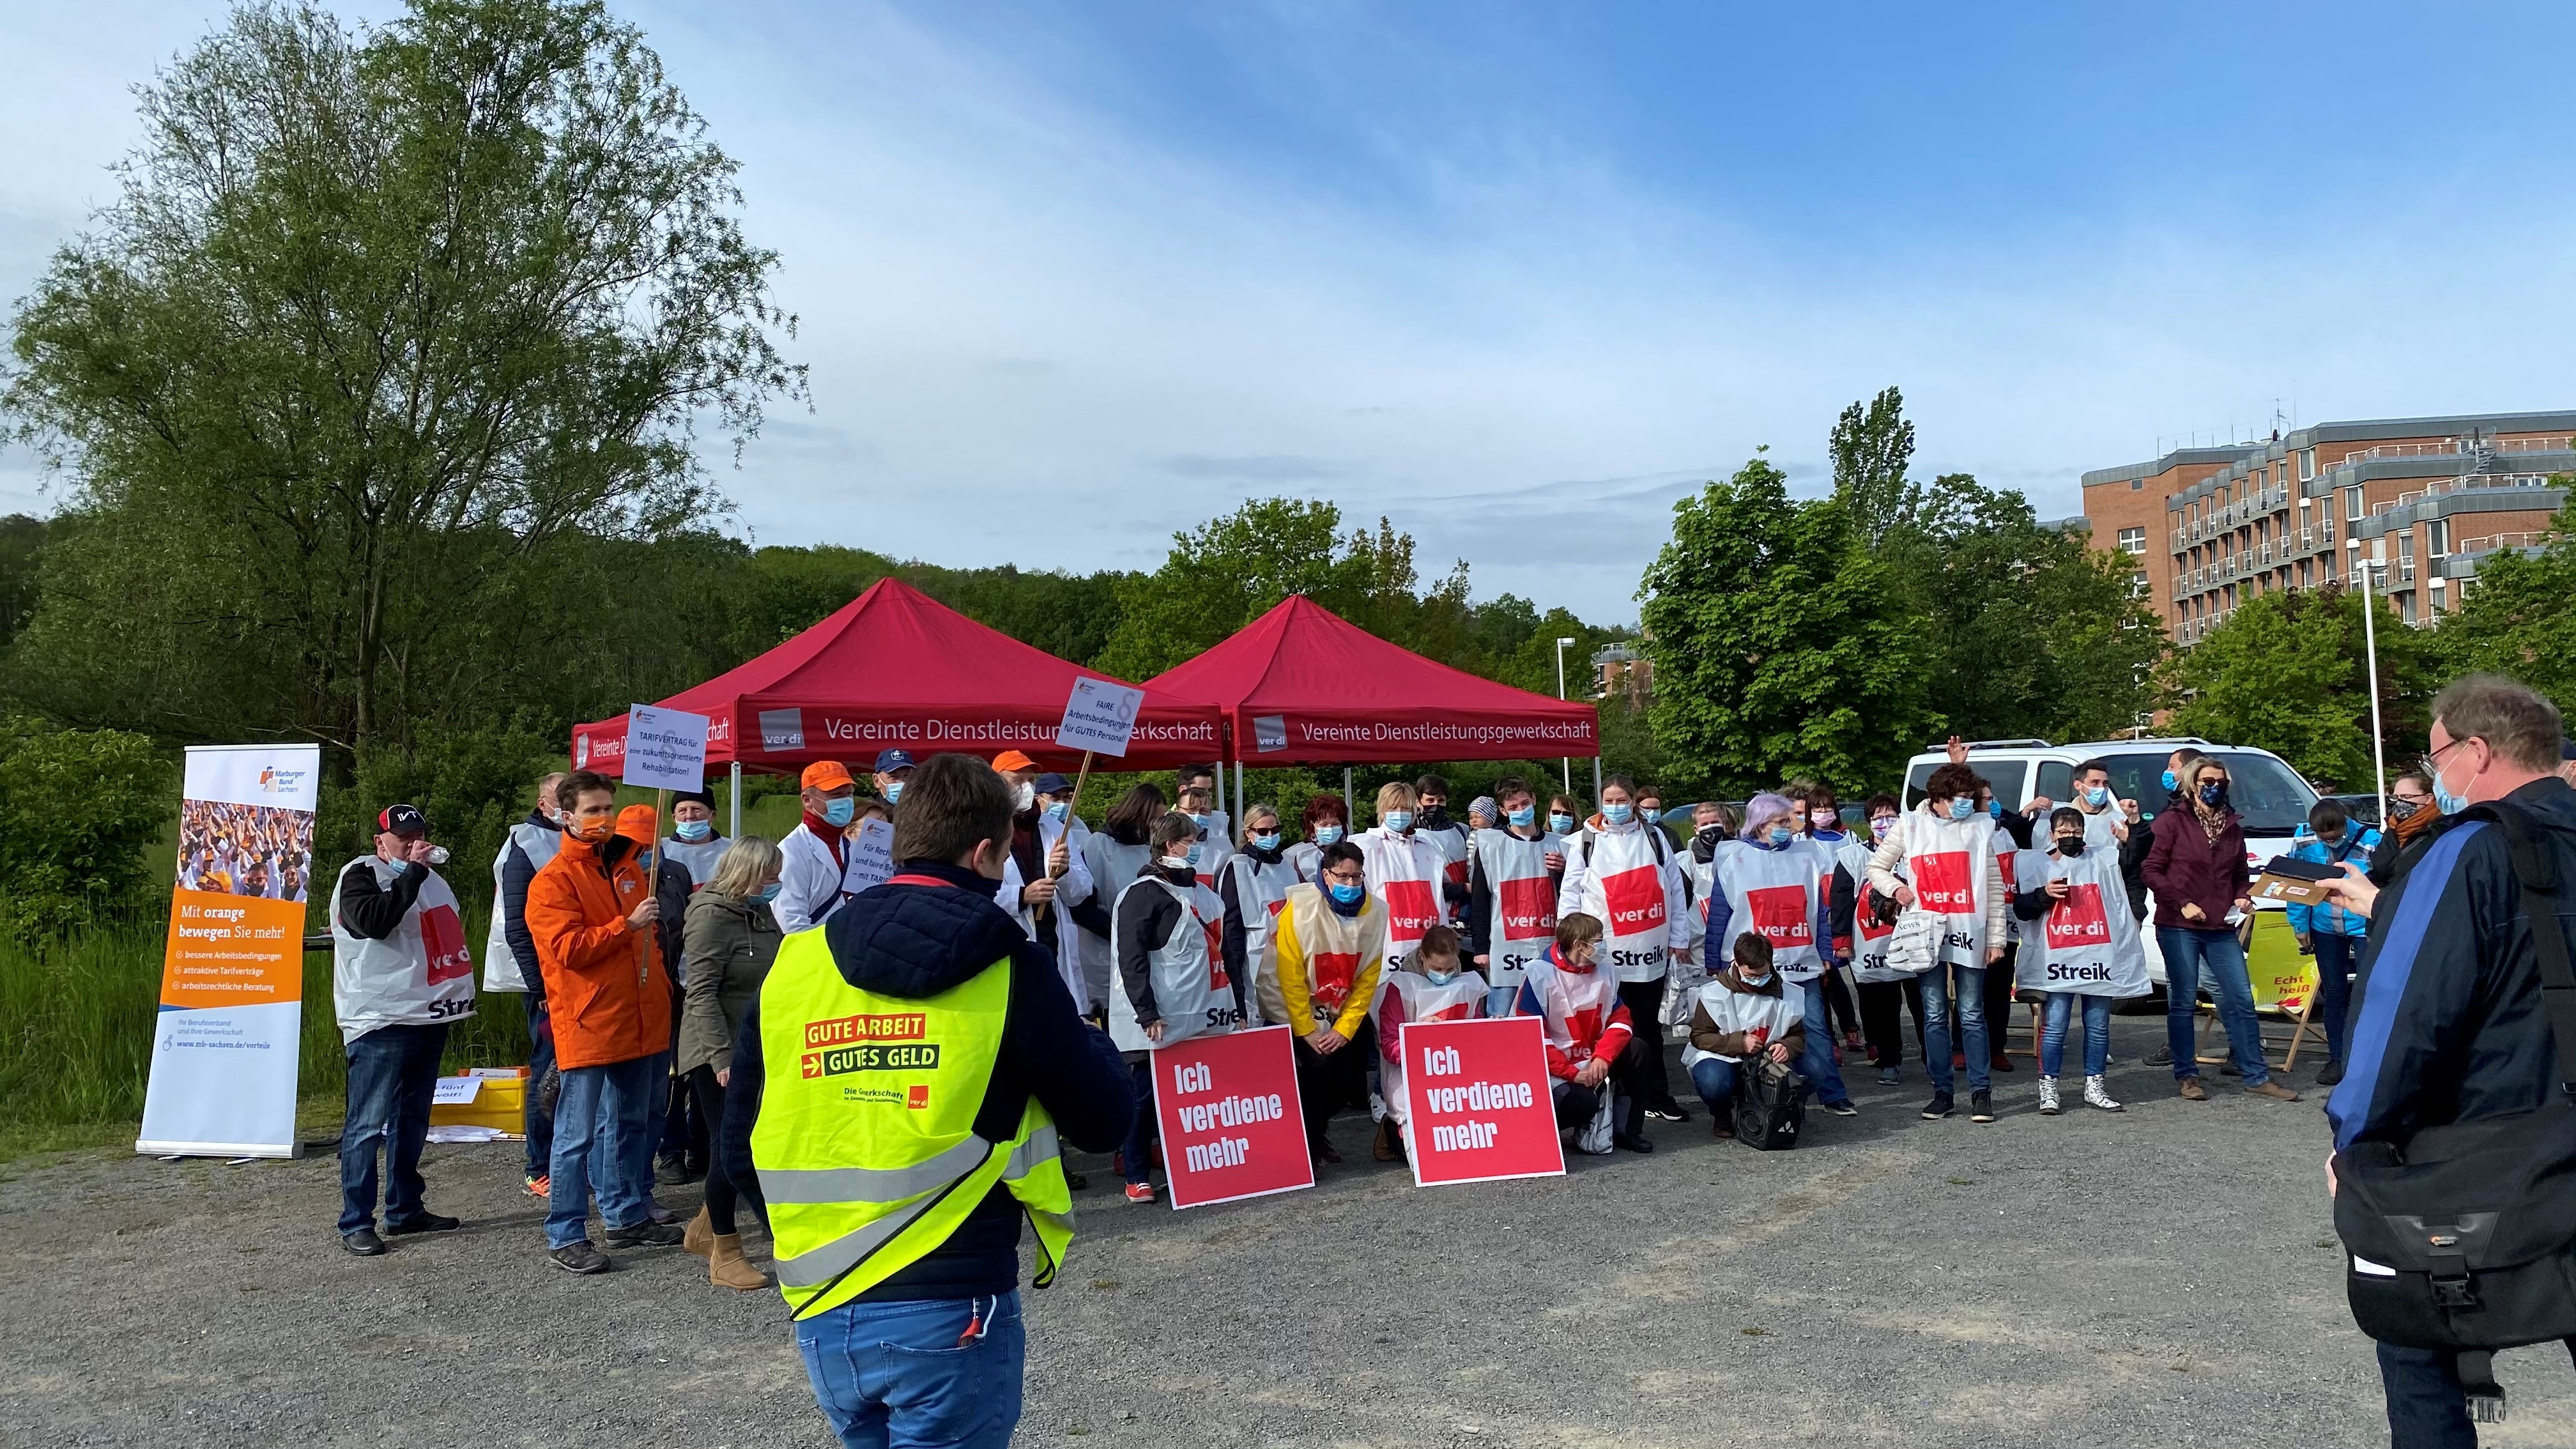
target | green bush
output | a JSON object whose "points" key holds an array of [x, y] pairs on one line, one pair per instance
{"points": [[472, 784], [79, 812]]}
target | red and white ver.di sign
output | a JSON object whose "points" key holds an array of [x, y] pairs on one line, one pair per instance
{"points": [[1482, 1110], [1227, 1105]]}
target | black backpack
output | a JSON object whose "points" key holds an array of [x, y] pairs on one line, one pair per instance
{"points": [[1768, 1114], [2469, 1230]]}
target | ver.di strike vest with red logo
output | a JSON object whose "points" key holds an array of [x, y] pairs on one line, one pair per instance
{"points": [[1772, 893], [1523, 923], [1190, 986], [1945, 862], [418, 976], [1574, 1006], [1869, 938], [2087, 944], [1459, 998], [1260, 894], [1624, 875], [1404, 873]]}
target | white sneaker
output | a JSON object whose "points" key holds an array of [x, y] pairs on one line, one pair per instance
{"points": [[2048, 1096], [2096, 1096]]}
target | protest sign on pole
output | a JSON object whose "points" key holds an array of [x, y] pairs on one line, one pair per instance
{"points": [[1480, 1100], [1227, 1105], [1099, 718], [666, 749], [871, 854], [225, 1042]]}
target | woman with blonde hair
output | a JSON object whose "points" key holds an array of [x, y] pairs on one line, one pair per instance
{"points": [[729, 938]]}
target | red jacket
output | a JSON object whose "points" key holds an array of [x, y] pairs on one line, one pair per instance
{"points": [[608, 995], [2184, 864]]}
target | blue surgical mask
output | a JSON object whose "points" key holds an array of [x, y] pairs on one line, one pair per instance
{"points": [[1781, 835], [1962, 808], [1523, 816], [1560, 823], [1200, 817], [1618, 814], [1327, 835], [2098, 796], [1439, 978], [766, 893], [2170, 782], [1269, 841], [2444, 800], [1348, 895], [894, 792], [1060, 809], [1649, 817], [694, 831], [1399, 821], [841, 811]]}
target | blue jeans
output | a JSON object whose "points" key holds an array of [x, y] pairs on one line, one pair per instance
{"points": [[602, 1125], [2336, 958], [1716, 1083], [638, 1157], [1816, 1062], [539, 1126], [2189, 951], [1959, 991], [896, 1375], [392, 1072], [1137, 1152], [2097, 1033]]}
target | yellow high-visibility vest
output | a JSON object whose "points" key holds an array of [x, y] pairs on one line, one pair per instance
{"points": [[866, 1140]]}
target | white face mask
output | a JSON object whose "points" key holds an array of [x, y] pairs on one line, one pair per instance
{"points": [[1174, 862], [1023, 795]]}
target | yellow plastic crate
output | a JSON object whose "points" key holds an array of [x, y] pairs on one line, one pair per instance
{"points": [[501, 1103]]}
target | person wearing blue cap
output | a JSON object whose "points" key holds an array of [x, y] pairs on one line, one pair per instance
{"points": [[892, 769]]}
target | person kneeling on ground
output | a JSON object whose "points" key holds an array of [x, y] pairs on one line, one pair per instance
{"points": [[1590, 1044], [1746, 1011], [1319, 973], [1430, 987]]}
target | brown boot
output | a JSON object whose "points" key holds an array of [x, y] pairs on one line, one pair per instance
{"points": [[728, 1268], [700, 1237], [2192, 1090], [1387, 1148]]}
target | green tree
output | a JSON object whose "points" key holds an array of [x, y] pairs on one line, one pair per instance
{"points": [[2518, 618], [79, 809], [382, 325], [1779, 647], [1871, 446], [2287, 672]]}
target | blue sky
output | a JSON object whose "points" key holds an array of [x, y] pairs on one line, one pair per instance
{"points": [[1075, 275]]}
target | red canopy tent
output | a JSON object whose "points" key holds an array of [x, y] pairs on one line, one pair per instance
{"points": [[1300, 685], [896, 668]]}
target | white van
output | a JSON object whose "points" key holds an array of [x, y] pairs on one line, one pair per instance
{"points": [[2261, 787]]}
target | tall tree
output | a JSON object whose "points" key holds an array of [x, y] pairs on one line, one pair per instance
{"points": [[379, 319], [1872, 445], [2517, 619], [2287, 672], [1779, 648]]}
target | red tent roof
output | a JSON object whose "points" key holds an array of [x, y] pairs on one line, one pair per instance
{"points": [[1301, 685], [895, 668]]}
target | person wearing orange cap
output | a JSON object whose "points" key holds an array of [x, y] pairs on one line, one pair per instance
{"points": [[592, 914], [809, 878], [1046, 878]]}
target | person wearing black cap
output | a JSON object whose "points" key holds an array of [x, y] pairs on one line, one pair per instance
{"points": [[693, 843], [400, 974], [893, 768]]}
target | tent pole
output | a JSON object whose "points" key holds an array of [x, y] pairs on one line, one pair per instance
{"points": [[1596, 782], [733, 799], [1350, 811], [1238, 798]]}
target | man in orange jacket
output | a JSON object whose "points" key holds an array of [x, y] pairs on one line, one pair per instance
{"points": [[592, 915]]}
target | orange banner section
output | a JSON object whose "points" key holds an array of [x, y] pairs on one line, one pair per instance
{"points": [[228, 950]]}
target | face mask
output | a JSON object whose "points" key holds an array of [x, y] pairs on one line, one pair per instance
{"points": [[2213, 794], [2331, 842], [1560, 823], [1709, 836], [1881, 825], [2070, 846], [766, 893], [588, 832], [1399, 821], [894, 792], [2445, 801], [694, 831], [1268, 841], [1058, 810], [2098, 796], [1023, 795], [2170, 782], [1961, 807], [2403, 809], [1328, 835], [1824, 820], [1348, 895], [1523, 816], [1174, 862], [841, 811], [1762, 980], [1618, 814], [1440, 978], [1647, 816], [1781, 835]]}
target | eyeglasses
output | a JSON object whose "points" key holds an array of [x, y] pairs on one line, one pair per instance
{"points": [[2431, 764], [1344, 878]]}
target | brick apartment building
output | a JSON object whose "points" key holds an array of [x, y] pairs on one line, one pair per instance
{"points": [[2208, 528]]}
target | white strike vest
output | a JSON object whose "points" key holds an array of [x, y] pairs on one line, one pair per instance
{"points": [[1569, 999], [500, 968], [1623, 884], [1523, 922], [1404, 873], [1260, 894], [1773, 894], [1869, 939], [1189, 981], [1462, 998], [698, 860], [1733, 1011], [420, 975], [2087, 944], [1945, 862]]}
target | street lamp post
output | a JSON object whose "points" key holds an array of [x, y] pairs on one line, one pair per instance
{"points": [[1568, 761], [2370, 647]]}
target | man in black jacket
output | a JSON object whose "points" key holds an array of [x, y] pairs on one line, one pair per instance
{"points": [[529, 845], [2450, 1024], [930, 929]]}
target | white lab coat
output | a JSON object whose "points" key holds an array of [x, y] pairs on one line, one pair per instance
{"points": [[809, 881]]}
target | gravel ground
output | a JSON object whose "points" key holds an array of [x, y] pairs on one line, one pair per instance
{"points": [[2162, 1277]]}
